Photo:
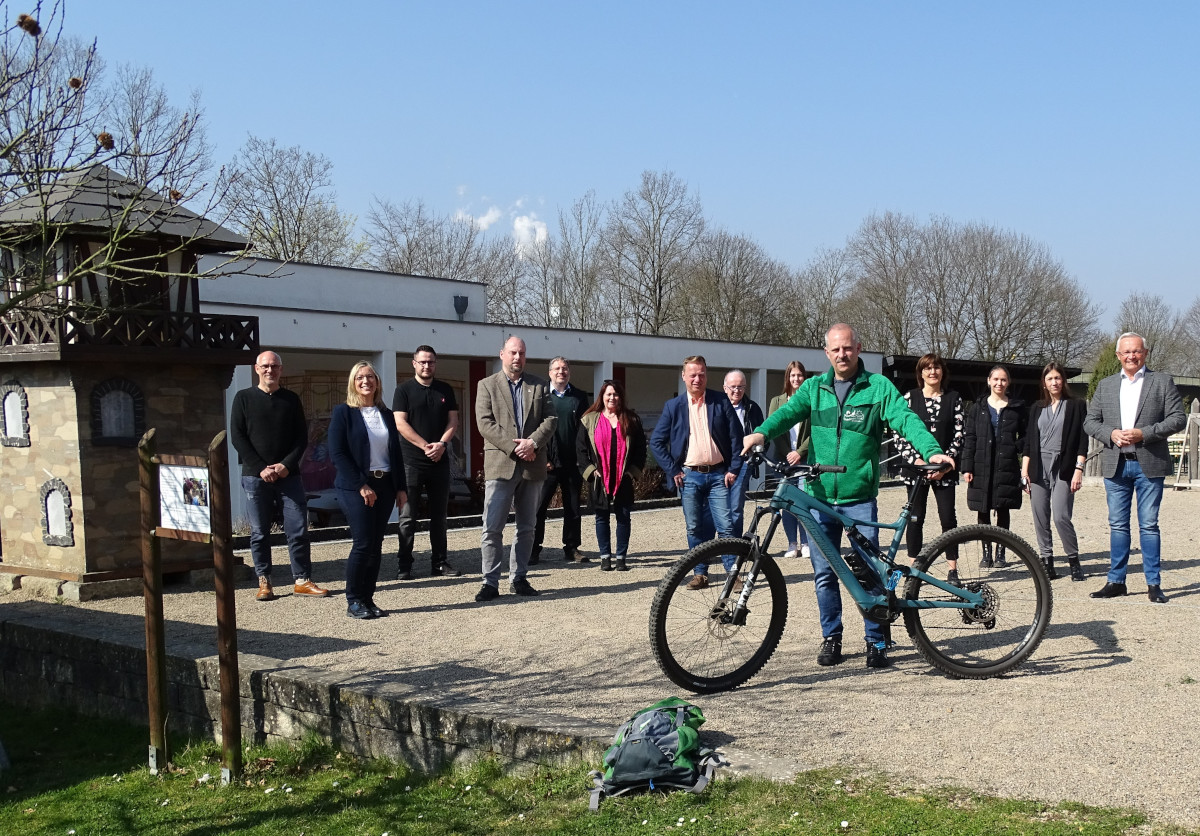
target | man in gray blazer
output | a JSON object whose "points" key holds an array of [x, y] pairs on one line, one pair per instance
{"points": [[1132, 414], [516, 420]]}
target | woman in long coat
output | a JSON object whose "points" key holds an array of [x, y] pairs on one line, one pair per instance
{"points": [[611, 450], [991, 459]]}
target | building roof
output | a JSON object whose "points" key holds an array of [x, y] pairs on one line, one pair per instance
{"points": [[97, 198]]}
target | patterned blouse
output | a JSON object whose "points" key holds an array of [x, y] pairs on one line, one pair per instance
{"points": [[933, 406]]}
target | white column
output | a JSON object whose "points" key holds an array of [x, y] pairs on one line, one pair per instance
{"points": [[757, 385], [385, 364], [601, 371], [243, 378]]}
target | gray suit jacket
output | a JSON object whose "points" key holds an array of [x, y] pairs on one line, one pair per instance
{"points": [[498, 426], [1159, 415]]}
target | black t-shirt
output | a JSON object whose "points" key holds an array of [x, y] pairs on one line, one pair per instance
{"points": [[428, 410]]}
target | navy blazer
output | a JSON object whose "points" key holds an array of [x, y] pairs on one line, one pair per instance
{"points": [[670, 438], [350, 448]]}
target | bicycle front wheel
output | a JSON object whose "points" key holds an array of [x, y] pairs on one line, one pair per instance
{"points": [[700, 643], [1006, 628]]}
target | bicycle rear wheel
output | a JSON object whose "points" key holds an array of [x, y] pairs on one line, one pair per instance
{"points": [[697, 641], [999, 634]]}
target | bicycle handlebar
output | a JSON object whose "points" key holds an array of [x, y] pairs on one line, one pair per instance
{"points": [[758, 455]]}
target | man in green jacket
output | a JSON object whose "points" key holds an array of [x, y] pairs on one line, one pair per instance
{"points": [[848, 408]]}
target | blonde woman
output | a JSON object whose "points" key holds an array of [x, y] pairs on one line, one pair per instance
{"points": [[365, 447]]}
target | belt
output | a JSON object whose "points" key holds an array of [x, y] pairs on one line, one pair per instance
{"points": [[378, 474], [704, 468], [1129, 457]]}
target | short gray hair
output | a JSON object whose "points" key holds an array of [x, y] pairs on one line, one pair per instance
{"points": [[841, 326]]}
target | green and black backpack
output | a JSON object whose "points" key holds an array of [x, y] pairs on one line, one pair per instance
{"points": [[658, 748]]}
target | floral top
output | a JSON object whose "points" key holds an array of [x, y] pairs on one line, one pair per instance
{"points": [[933, 406]]}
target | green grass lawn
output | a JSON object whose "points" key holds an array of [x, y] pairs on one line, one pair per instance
{"points": [[76, 775]]}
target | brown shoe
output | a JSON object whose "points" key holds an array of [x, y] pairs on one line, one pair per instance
{"points": [[738, 586], [307, 587], [698, 582], [265, 593]]}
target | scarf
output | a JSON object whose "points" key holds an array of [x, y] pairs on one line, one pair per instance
{"points": [[610, 472]]}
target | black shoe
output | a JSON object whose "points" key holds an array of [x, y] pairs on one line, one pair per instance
{"points": [[444, 570], [535, 559], [1111, 590], [999, 562], [952, 577], [359, 609], [1076, 569], [486, 593], [877, 656], [606, 564], [986, 561], [1050, 573], [569, 555], [404, 574], [831, 652], [376, 612], [521, 587], [1154, 593], [621, 567]]}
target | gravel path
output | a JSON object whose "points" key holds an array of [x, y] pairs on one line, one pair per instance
{"points": [[1104, 713]]}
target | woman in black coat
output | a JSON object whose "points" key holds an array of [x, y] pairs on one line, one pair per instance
{"points": [[991, 458], [365, 447], [1052, 468], [611, 450]]}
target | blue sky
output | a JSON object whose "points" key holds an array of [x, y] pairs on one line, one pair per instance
{"points": [[1075, 123]]}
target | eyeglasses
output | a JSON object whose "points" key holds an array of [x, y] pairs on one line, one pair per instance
{"points": [[1137, 352], [735, 388], [361, 378], [425, 362]]}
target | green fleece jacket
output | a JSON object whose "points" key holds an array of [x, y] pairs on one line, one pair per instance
{"points": [[850, 435]]}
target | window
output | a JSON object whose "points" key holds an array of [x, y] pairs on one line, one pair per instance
{"points": [[118, 413], [56, 514], [15, 405]]}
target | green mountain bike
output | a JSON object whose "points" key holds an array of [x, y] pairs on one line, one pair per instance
{"points": [[984, 624]]}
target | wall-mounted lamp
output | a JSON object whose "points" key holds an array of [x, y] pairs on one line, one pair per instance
{"points": [[460, 306]]}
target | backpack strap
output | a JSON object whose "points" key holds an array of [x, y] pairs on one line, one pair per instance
{"points": [[597, 791], [708, 765]]}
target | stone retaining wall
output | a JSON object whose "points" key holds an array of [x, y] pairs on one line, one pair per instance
{"points": [[47, 660]]}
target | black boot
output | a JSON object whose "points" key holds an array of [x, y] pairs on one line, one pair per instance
{"points": [[1050, 573], [1076, 570], [986, 563], [605, 564], [621, 567], [1000, 562]]}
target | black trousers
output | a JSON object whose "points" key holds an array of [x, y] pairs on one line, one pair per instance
{"points": [[570, 481], [434, 479], [920, 502]]}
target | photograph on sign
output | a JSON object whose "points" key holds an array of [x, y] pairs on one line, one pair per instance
{"points": [[183, 497]]}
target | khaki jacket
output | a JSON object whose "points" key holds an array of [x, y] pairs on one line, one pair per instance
{"points": [[498, 425]]}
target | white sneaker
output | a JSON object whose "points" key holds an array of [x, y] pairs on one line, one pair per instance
{"points": [[805, 551], [790, 553]]}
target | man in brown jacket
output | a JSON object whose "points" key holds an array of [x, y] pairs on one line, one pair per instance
{"points": [[513, 414]]}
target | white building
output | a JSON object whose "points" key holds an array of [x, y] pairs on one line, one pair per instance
{"points": [[322, 320]]}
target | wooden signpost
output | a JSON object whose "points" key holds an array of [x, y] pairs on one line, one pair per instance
{"points": [[187, 498]]}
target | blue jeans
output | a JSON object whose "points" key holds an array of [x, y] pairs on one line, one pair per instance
{"points": [[828, 587], [796, 535], [706, 511], [367, 527], [1120, 490], [737, 501], [262, 498], [604, 534]]}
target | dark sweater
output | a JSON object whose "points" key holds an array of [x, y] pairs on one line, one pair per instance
{"points": [[268, 428], [569, 408]]}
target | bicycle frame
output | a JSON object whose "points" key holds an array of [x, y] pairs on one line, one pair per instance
{"points": [[789, 498]]}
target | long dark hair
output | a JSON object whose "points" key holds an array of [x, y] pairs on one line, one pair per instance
{"points": [[626, 417], [1066, 390], [787, 377]]}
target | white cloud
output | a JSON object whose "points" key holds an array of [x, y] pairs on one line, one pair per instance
{"points": [[483, 221], [462, 190], [528, 230]]}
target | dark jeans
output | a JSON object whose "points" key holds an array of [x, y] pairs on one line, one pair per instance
{"points": [[262, 499], [920, 503], [604, 530], [570, 480], [435, 479], [367, 527]]}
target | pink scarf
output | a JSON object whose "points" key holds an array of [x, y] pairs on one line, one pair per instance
{"points": [[603, 440]]}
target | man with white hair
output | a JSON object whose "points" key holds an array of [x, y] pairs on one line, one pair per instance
{"points": [[749, 415]]}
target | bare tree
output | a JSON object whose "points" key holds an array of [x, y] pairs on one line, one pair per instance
{"points": [[817, 297], [282, 199], [1164, 329], [65, 134], [650, 235], [732, 290], [579, 263], [407, 239], [888, 249]]}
